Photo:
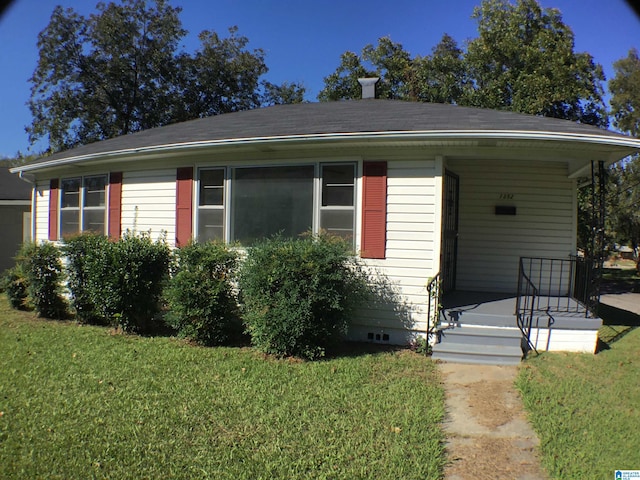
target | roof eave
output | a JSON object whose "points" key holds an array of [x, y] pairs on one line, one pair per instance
{"points": [[624, 146]]}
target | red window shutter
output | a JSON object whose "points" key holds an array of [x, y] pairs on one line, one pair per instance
{"points": [[53, 208], [115, 205], [184, 206], [374, 210]]}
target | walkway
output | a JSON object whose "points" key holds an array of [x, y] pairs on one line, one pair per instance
{"points": [[488, 434]]}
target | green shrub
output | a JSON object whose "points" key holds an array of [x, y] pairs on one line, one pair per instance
{"points": [[298, 294], [14, 284], [43, 270], [140, 268], [119, 282], [86, 271], [202, 303]]}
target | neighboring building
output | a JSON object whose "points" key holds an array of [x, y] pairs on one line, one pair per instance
{"points": [[15, 216], [421, 190]]}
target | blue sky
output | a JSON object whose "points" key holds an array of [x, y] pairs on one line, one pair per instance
{"points": [[302, 39]]}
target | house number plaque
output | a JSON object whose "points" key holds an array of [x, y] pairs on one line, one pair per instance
{"points": [[505, 196]]}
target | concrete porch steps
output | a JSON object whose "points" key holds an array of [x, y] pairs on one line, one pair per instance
{"points": [[487, 345]]}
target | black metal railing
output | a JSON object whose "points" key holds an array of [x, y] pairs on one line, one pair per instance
{"points": [[525, 304], [564, 285], [548, 286], [433, 303]]}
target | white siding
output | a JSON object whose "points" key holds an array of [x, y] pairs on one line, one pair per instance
{"points": [[42, 211], [490, 245], [149, 203], [410, 257]]}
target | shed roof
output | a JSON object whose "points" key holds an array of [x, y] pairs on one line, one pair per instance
{"points": [[12, 187], [355, 118]]}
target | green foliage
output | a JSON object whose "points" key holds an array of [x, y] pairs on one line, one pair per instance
{"points": [[387, 60], [86, 272], [523, 60], [287, 93], [43, 270], [585, 406], [298, 294], [15, 285], [421, 346], [625, 93], [118, 282], [623, 202], [157, 408], [120, 70], [138, 269], [201, 299], [440, 77], [343, 83]]}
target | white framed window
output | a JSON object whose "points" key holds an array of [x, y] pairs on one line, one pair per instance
{"points": [[263, 201], [83, 205], [211, 200], [337, 209]]}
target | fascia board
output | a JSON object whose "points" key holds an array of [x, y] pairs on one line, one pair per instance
{"points": [[390, 136]]}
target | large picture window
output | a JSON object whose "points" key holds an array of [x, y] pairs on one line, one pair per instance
{"points": [[83, 205], [271, 200], [266, 201]]}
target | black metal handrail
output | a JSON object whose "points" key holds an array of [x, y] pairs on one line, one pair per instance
{"points": [[433, 303], [564, 285], [548, 286], [525, 304]]}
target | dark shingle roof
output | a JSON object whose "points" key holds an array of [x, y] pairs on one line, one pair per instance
{"points": [[12, 187], [359, 116]]}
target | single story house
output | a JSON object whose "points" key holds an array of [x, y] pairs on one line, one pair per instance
{"points": [[424, 191], [15, 216]]}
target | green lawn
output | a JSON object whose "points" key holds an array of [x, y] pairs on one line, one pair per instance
{"points": [[84, 402], [586, 408]]}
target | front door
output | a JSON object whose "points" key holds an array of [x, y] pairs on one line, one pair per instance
{"points": [[449, 252]]}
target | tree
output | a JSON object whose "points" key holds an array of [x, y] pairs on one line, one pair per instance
{"points": [[222, 77], [524, 60], [387, 60], [286, 93], [624, 195], [106, 75], [442, 76], [625, 94], [343, 83], [120, 71]]}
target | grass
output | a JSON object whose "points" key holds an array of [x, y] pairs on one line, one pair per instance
{"points": [[84, 402], [586, 408]]}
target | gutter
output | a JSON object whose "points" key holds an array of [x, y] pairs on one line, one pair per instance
{"points": [[626, 142], [27, 177]]}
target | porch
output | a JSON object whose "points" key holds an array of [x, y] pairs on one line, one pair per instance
{"points": [[553, 310]]}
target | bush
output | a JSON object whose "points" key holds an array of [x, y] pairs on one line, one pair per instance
{"points": [[14, 284], [118, 282], [298, 295], [202, 303], [43, 271], [86, 271], [138, 276]]}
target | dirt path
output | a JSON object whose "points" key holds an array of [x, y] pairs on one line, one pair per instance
{"points": [[488, 434]]}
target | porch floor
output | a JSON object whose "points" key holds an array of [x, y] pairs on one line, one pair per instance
{"points": [[481, 327], [458, 303]]}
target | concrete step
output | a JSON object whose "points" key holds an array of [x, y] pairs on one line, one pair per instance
{"points": [[480, 319], [472, 335], [477, 354]]}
